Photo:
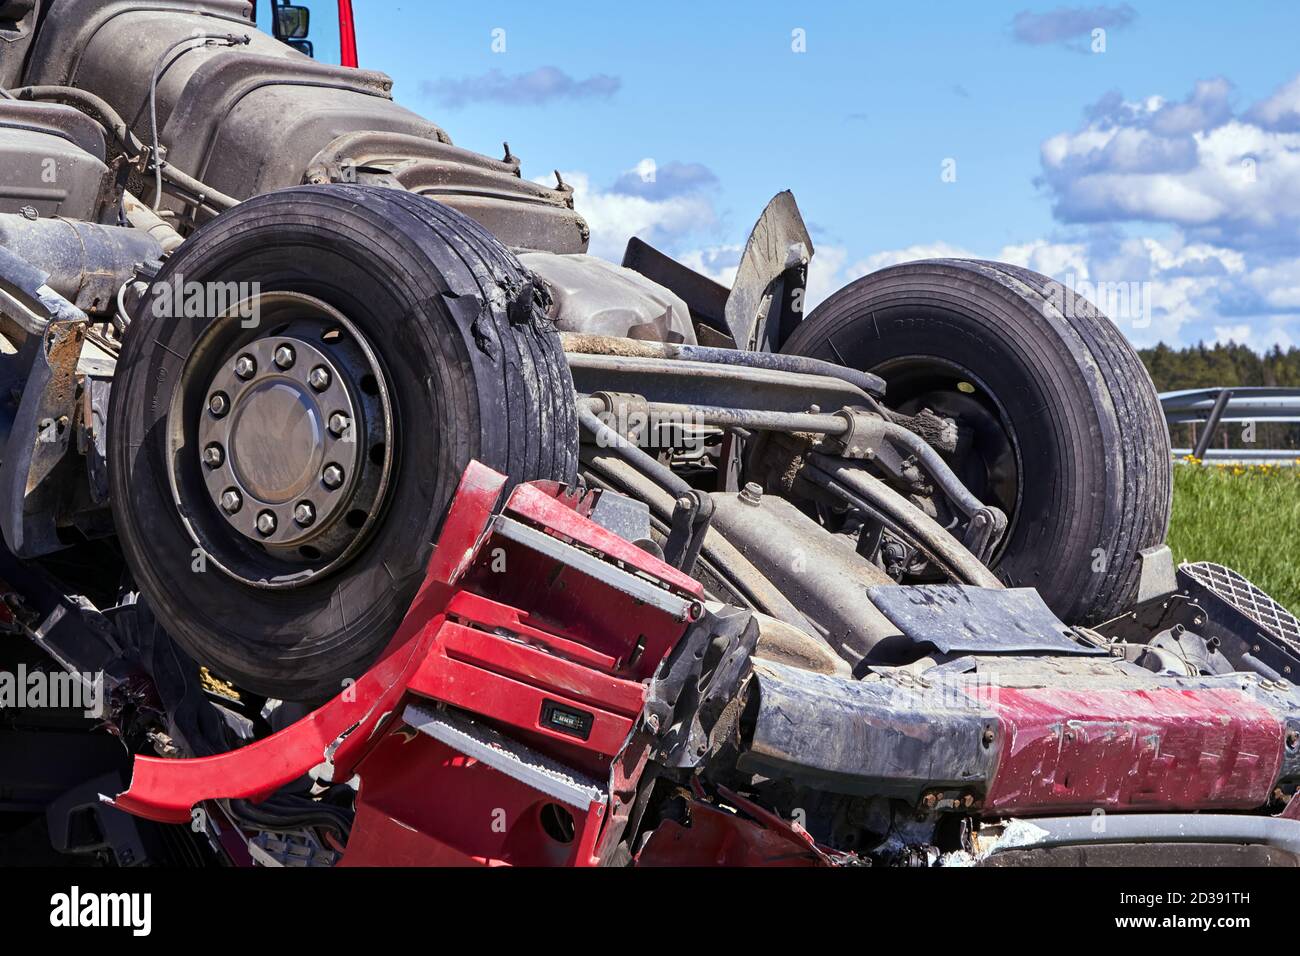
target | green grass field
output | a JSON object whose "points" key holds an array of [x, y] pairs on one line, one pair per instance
{"points": [[1247, 517]]}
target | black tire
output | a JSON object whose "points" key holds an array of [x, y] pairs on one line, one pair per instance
{"points": [[475, 370], [1091, 449]]}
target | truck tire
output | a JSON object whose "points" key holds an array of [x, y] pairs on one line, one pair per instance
{"points": [[398, 320], [1061, 424]]}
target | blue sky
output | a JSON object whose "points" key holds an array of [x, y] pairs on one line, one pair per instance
{"points": [[1171, 157]]}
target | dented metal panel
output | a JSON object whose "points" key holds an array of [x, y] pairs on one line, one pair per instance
{"points": [[1173, 748]]}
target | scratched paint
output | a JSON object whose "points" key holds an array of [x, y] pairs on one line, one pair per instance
{"points": [[1166, 748]]}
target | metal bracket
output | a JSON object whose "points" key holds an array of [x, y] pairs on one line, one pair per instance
{"points": [[34, 473], [908, 461]]}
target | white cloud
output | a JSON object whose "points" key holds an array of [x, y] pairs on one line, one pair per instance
{"points": [[1182, 281], [1232, 333], [1259, 339], [1235, 179], [614, 217], [891, 257], [1070, 26], [542, 85], [831, 268], [1223, 185], [826, 274], [1049, 258], [1281, 110], [719, 263]]}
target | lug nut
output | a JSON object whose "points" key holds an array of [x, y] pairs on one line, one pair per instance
{"points": [[218, 404], [304, 514], [319, 378], [266, 523], [245, 366], [339, 423], [231, 501], [284, 356], [213, 456], [332, 476]]}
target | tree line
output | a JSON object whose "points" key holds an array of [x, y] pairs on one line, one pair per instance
{"points": [[1219, 365]]}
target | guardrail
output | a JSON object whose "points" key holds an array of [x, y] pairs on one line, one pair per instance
{"points": [[1214, 406]]}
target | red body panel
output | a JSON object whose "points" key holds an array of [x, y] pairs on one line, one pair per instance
{"points": [[166, 790], [500, 634], [424, 804], [1163, 748], [495, 661], [717, 838]]}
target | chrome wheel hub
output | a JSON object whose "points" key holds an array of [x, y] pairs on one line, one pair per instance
{"points": [[283, 414], [282, 441]]}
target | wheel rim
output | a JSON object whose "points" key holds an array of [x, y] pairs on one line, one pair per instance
{"points": [[993, 467], [281, 441]]}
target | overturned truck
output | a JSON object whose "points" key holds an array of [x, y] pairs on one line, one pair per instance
{"points": [[380, 524]]}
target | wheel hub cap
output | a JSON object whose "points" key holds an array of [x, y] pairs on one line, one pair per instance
{"points": [[289, 440], [274, 441]]}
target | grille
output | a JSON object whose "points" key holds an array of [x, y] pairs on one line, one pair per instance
{"points": [[1267, 614]]}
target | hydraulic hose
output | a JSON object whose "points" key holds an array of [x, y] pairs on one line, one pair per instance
{"points": [[93, 106]]}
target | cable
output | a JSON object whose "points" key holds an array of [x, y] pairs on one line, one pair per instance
{"points": [[208, 39], [121, 319]]}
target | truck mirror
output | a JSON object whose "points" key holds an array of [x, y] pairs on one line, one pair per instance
{"points": [[292, 22]]}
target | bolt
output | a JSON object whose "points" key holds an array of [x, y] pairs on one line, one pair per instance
{"points": [[266, 523], [988, 736], [304, 514], [213, 456], [332, 476], [284, 356], [245, 366], [339, 423], [218, 404], [231, 501], [752, 493], [319, 378], [1292, 738]]}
